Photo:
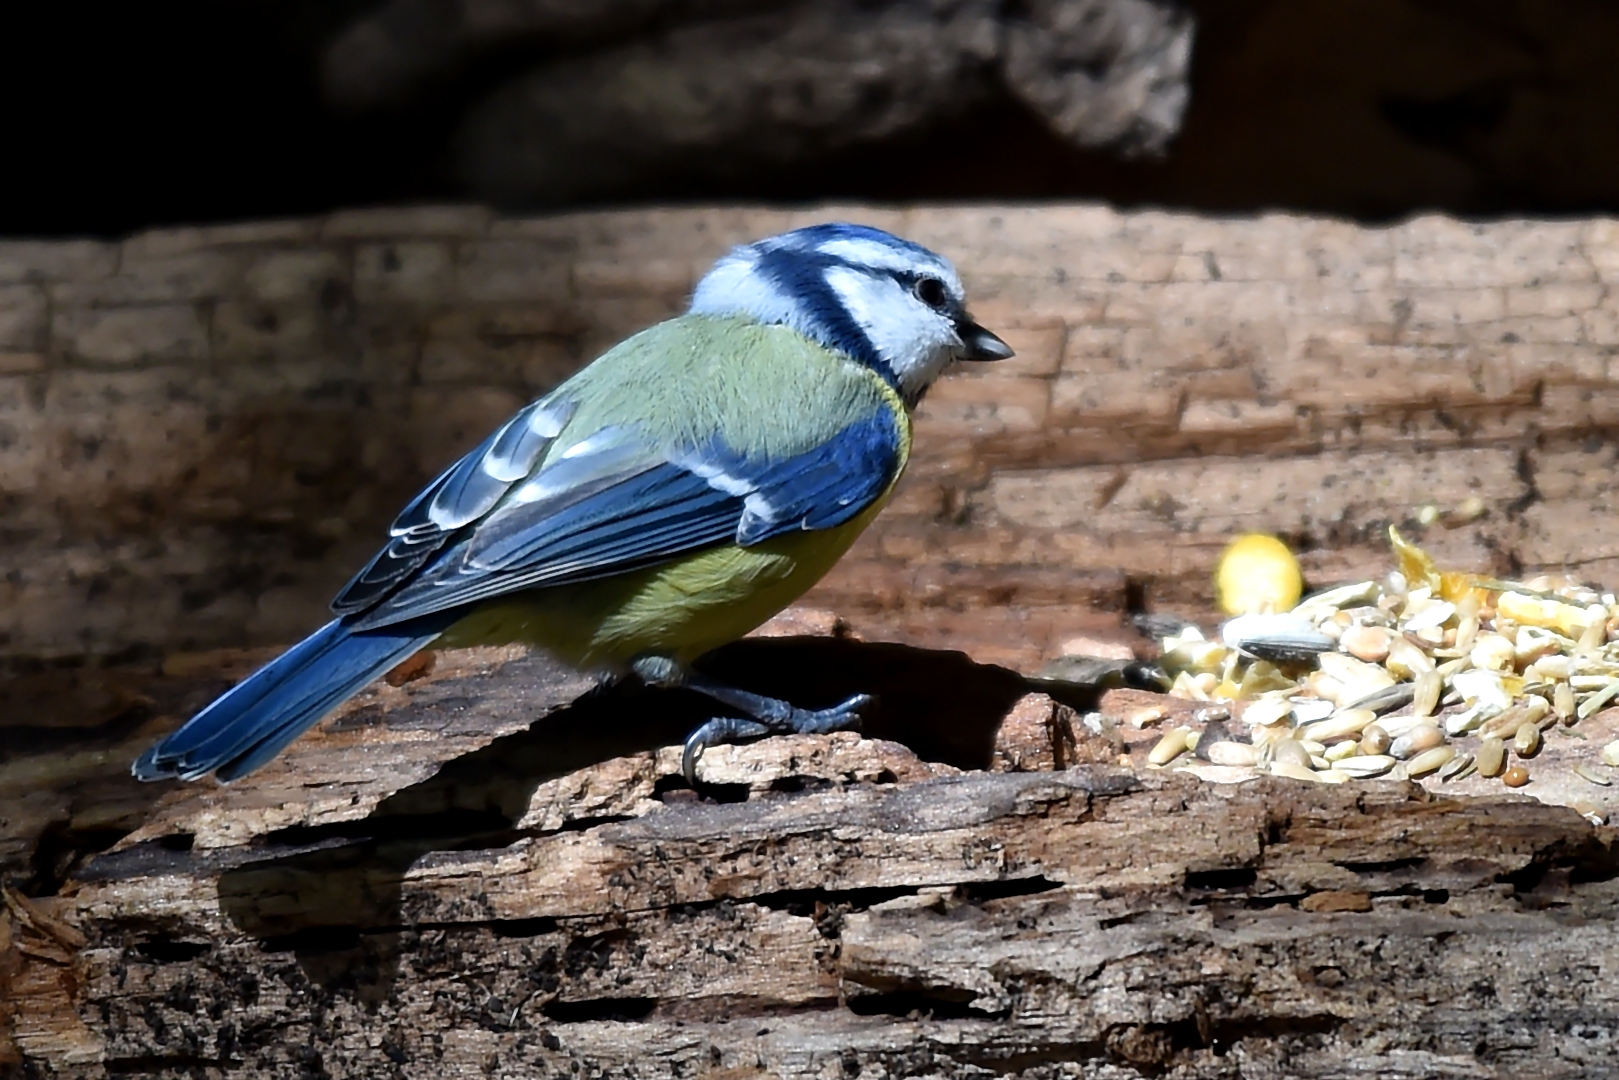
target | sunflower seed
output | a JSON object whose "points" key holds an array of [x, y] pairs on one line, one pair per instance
{"points": [[1459, 767], [1344, 724], [1425, 693], [1283, 638], [1233, 753], [1590, 775], [1430, 616], [1291, 751], [1310, 710], [1387, 699], [1429, 760], [1294, 771], [1598, 700], [1365, 766], [1223, 774]]}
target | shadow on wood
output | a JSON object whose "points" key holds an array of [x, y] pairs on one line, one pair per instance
{"points": [[332, 893]]}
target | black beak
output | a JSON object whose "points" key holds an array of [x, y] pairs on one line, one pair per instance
{"points": [[980, 343]]}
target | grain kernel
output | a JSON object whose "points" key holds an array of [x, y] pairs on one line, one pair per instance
{"points": [[1492, 756]]}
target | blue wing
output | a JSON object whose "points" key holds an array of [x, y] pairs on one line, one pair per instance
{"points": [[462, 493], [610, 504]]}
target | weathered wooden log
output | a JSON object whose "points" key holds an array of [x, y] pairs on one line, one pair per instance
{"points": [[483, 873]]}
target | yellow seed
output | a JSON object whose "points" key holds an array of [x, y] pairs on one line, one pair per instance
{"points": [[1266, 711], [1374, 740], [1429, 760], [1492, 756], [1565, 618], [1610, 753], [1339, 751], [1526, 743], [1257, 573], [1515, 776], [1170, 747]]}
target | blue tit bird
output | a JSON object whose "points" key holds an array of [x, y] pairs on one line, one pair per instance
{"points": [[665, 500]]}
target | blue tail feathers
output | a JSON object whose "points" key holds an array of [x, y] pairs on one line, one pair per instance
{"points": [[255, 720]]}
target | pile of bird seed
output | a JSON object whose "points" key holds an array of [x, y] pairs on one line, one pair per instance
{"points": [[1424, 672]]}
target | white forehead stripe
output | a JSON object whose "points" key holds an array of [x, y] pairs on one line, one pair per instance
{"points": [[875, 255]]}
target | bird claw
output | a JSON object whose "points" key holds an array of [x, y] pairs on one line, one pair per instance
{"points": [[844, 716]]}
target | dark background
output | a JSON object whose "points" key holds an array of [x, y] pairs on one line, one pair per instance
{"points": [[122, 115]]}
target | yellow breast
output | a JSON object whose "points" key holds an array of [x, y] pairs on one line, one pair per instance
{"points": [[680, 609]]}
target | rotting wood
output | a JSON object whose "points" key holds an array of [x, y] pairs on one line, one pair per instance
{"points": [[476, 874]]}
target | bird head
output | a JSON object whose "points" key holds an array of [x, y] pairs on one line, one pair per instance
{"points": [[890, 304]]}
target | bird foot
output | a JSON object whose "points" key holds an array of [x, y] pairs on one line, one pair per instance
{"points": [[772, 717]]}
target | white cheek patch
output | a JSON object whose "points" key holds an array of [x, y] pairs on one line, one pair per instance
{"points": [[914, 340]]}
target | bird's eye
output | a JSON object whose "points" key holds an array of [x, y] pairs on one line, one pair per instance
{"points": [[931, 291]]}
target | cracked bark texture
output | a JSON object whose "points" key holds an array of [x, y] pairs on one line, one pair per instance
{"points": [[478, 874]]}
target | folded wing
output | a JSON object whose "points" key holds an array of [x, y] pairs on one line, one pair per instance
{"points": [[608, 504]]}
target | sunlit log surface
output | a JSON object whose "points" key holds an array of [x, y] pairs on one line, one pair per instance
{"points": [[479, 873]]}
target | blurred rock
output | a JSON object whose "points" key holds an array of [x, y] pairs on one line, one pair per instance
{"points": [[652, 94], [1103, 73], [723, 98]]}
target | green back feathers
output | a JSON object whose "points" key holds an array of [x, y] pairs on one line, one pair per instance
{"points": [[772, 391]]}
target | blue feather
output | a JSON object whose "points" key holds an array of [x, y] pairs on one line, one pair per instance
{"points": [[653, 515], [255, 720], [802, 275]]}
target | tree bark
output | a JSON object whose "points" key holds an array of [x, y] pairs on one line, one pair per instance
{"points": [[483, 873]]}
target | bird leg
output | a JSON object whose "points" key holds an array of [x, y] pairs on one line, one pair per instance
{"points": [[761, 715]]}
